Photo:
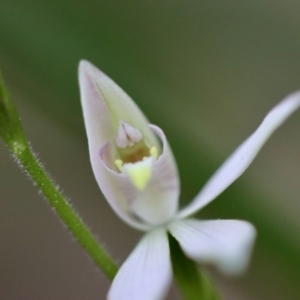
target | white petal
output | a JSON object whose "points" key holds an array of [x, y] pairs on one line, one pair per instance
{"points": [[227, 244], [147, 272], [242, 157], [104, 103], [157, 202]]}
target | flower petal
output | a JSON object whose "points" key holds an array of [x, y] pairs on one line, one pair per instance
{"points": [[147, 272], [104, 104], [225, 243], [157, 202], [241, 158]]}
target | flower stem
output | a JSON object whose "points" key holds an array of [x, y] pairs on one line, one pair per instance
{"points": [[11, 132], [193, 283], [67, 214]]}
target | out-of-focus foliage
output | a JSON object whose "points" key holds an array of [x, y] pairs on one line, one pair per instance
{"points": [[206, 72]]}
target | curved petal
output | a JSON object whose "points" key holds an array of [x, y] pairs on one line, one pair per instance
{"points": [[227, 244], [104, 103], [158, 201], [242, 157], [147, 272]]}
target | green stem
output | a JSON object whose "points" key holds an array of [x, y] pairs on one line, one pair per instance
{"points": [[67, 214], [12, 133], [194, 284]]}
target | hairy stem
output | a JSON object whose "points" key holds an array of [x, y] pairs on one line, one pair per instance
{"points": [[11, 132]]}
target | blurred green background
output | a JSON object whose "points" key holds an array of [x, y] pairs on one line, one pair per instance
{"points": [[206, 72]]}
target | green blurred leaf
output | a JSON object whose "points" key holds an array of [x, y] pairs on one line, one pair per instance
{"points": [[193, 283]]}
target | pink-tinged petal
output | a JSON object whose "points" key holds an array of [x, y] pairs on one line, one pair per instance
{"points": [[147, 272], [242, 157], [158, 201], [104, 104], [227, 244]]}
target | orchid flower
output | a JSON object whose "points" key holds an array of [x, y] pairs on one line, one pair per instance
{"points": [[136, 171]]}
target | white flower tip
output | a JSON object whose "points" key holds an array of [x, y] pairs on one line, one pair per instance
{"points": [[85, 75], [84, 65], [87, 70]]}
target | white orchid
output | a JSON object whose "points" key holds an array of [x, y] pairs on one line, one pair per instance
{"points": [[135, 169]]}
